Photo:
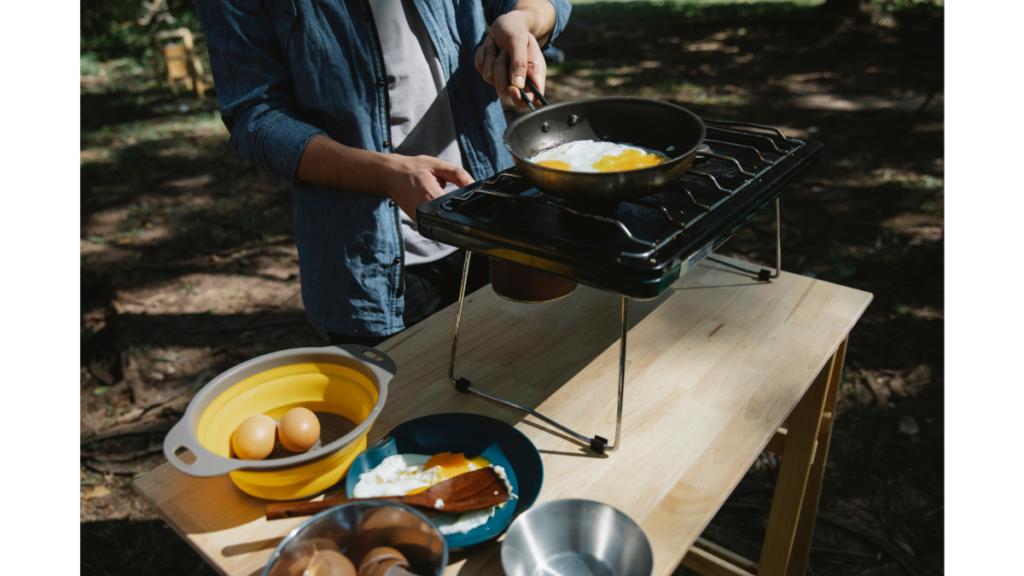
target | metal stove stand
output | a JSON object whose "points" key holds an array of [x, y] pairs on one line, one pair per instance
{"points": [[597, 443]]}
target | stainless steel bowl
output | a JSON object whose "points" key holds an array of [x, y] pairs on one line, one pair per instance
{"points": [[576, 538], [356, 528]]}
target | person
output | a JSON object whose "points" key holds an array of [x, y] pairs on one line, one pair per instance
{"points": [[370, 108]]}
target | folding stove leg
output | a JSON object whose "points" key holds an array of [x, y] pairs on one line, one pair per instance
{"points": [[764, 275], [597, 443]]}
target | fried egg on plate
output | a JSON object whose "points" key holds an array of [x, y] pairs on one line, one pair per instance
{"points": [[596, 156], [404, 474]]}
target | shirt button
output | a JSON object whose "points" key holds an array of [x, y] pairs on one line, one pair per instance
{"points": [[391, 203], [387, 143], [398, 260], [366, 17], [380, 82]]}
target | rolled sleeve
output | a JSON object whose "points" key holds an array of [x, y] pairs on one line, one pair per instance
{"points": [[562, 10], [495, 8], [272, 138], [254, 85]]}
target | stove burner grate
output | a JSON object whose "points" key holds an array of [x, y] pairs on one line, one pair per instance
{"points": [[729, 167]]}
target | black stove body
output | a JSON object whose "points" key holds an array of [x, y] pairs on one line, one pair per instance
{"points": [[636, 248]]}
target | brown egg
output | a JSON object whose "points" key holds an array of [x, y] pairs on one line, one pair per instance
{"points": [[329, 563], [254, 438], [380, 559], [390, 518], [299, 429]]}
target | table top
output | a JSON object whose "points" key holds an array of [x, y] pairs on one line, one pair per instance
{"points": [[714, 366]]}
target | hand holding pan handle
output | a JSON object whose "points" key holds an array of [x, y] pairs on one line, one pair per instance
{"points": [[536, 92]]}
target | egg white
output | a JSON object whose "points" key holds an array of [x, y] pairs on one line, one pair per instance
{"points": [[402, 473], [581, 155], [396, 476]]}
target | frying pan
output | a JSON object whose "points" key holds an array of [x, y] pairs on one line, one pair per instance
{"points": [[667, 128]]}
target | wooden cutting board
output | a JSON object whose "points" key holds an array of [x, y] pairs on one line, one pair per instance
{"points": [[715, 365]]}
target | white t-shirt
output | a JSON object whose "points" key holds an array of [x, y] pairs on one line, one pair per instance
{"points": [[421, 114]]}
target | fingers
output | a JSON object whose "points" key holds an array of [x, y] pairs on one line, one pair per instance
{"points": [[450, 173], [537, 72], [501, 83], [518, 51], [503, 72], [419, 179], [485, 57], [537, 66], [508, 55], [422, 187]]}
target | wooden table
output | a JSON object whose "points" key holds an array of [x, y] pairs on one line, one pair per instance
{"points": [[715, 366]]}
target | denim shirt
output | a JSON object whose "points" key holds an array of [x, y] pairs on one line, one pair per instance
{"points": [[288, 70]]}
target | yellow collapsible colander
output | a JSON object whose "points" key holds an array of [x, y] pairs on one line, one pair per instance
{"points": [[345, 386]]}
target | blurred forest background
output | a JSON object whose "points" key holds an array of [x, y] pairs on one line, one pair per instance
{"points": [[188, 261]]}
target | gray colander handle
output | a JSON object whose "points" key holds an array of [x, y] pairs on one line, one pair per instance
{"points": [[207, 463], [383, 361]]}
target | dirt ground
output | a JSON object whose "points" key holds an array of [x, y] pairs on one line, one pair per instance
{"points": [[188, 263]]}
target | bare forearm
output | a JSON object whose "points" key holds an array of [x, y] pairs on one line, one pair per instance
{"points": [[329, 164], [408, 180], [539, 17]]}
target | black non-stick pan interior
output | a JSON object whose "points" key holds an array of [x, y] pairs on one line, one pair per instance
{"points": [[647, 123], [667, 128]]}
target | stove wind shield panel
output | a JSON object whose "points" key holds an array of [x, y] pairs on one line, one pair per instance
{"points": [[635, 248]]}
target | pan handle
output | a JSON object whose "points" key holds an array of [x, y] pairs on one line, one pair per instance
{"points": [[533, 88]]}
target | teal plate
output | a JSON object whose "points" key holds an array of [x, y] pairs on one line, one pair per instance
{"points": [[473, 435]]}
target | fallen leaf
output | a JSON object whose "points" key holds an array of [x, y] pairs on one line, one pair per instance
{"points": [[881, 391], [902, 542], [193, 182], [909, 426], [97, 492], [100, 390], [919, 378], [899, 387]]}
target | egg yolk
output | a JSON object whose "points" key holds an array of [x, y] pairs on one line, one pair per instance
{"points": [[556, 164], [628, 160], [452, 465]]}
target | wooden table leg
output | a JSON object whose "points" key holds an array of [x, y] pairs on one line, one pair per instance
{"points": [[804, 449], [809, 510], [710, 559], [791, 520]]}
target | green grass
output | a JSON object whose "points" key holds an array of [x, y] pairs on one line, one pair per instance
{"points": [[133, 131]]}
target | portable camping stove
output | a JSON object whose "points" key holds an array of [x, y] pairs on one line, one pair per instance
{"points": [[636, 249]]}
